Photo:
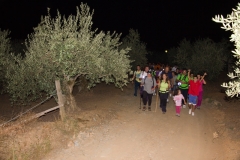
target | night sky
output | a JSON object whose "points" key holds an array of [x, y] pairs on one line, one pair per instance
{"points": [[161, 24]]}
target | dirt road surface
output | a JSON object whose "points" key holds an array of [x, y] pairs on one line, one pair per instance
{"points": [[132, 134]]}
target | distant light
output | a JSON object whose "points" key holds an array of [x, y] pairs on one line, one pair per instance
{"points": [[166, 51]]}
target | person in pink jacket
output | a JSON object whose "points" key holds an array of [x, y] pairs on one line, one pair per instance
{"points": [[178, 97], [200, 95]]}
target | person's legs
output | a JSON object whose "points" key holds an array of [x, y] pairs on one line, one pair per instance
{"points": [[174, 88], [163, 98], [194, 102], [164, 105], [193, 108], [190, 107], [141, 91], [190, 103], [144, 100], [199, 99], [149, 101], [185, 95], [178, 109], [136, 86], [160, 97]]}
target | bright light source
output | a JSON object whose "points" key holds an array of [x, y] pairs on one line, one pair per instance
{"points": [[166, 51]]}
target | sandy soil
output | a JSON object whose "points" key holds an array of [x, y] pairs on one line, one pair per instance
{"points": [[123, 132]]}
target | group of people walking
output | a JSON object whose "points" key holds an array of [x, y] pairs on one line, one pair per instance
{"points": [[182, 85]]}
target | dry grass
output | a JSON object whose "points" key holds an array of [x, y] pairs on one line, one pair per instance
{"points": [[19, 141], [28, 140], [22, 149], [69, 126]]}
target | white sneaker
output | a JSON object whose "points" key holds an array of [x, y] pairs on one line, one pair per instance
{"points": [[167, 100], [184, 106], [170, 95], [190, 111]]}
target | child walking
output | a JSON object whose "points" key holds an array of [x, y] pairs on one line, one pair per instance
{"points": [[178, 97]]}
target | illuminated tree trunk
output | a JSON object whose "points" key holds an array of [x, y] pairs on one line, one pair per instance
{"points": [[70, 98], [61, 100]]}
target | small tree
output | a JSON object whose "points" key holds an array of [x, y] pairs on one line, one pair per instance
{"points": [[138, 51], [171, 55], [232, 23], [5, 48], [64, 49], [200, 56], [183, 54]]}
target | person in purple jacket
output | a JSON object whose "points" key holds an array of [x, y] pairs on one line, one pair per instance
{"points": [[200, 95]]}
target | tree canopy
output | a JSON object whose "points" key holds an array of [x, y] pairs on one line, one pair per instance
{"points": [[138, 51], [5, 49], [64, 49], [201, 56], [232, 23]]}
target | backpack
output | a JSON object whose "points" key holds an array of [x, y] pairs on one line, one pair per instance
{"points": [[152, 80]]}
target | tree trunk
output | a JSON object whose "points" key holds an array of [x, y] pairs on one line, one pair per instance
{"points": [[61, 100], [70, 97]]}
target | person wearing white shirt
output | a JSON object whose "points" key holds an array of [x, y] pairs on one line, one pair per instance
{"points": [[174, 68], [144, 73]]}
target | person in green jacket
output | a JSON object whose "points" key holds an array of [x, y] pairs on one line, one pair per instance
{"points": [[183, 80]]}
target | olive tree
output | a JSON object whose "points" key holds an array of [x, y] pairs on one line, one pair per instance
{"points": [[64, 49], [171, 54], [203, 55], [183, 54], [5, 48], [232, 23], [138, 51]]}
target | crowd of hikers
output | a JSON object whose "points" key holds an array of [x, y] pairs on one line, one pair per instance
{"points": [[185, 87]]}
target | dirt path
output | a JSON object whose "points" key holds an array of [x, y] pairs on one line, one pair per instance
{"points": [[136, 135]]}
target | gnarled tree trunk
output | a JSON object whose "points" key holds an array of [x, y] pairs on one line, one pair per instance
{"points": [[70, 98], [68, 89], [61, 100]]}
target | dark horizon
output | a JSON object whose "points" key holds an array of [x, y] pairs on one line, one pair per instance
{"points": [[161, 24]]}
